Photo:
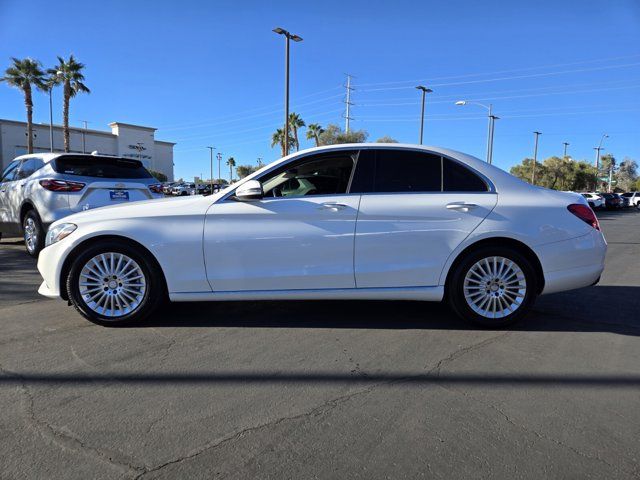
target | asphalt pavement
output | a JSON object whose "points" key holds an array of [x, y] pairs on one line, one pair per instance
{"points": [[325, 389]]}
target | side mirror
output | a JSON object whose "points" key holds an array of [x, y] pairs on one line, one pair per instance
{"points": [[251, 190]]}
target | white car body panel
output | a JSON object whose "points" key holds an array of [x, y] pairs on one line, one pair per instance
{"points": [[281, 243], [404, 240], [216, 248]]}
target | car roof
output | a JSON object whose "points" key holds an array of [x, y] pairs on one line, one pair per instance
{"points": [[48, 156]]}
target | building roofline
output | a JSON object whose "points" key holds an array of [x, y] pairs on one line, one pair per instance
{"points": [[165, 143], [131, 125], [59, 127]]}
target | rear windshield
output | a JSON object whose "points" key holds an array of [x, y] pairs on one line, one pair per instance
{"points": [[101, 167]]}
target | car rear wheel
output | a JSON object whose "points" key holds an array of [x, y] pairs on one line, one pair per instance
{"points": [[33, 233], [492, 287], [115, 284]]}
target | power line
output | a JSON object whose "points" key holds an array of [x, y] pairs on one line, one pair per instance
{"points": [[468, 75], [515, 77]]}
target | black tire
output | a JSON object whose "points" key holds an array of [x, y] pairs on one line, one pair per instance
{"points": [[455, 289], [155, 289], [33, 233]]}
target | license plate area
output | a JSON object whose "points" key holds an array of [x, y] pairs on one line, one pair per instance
{"points": [[119, 195]]}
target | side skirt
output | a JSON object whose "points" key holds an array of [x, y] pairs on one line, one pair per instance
{"points": [[427, 294]]}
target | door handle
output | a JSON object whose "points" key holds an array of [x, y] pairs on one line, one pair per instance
{"points": [[333, 206], [461, 206]]}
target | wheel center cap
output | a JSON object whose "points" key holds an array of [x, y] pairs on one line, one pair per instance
{"points": [[113, 284], [494, 288]]}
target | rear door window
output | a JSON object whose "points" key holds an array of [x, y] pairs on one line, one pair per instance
{"points": [[407, 171], [101, 167]]}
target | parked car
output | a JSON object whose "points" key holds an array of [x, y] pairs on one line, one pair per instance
{"points": [[633, 198], [36, 190], [183, 189], [595, 201], [623, 202], [398, 223], [167, 187], [611, 200]]}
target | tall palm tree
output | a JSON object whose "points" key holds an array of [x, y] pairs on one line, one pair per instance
{"points": [[295, 122], [278, 139], [26, 74], [314, 130], [232, 163], [68, 73]]}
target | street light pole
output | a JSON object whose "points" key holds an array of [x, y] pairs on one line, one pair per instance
{"points": [[424, 90], [288, 36], [219, 157], [535, 157], [566, 144], [84, 142], [492, 119], [211, 149], [50, 118]]}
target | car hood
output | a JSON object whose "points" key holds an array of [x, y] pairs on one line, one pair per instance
{"points": [[148, 208]]}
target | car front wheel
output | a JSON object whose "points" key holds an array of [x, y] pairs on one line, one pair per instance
{"points": [[114, 284], [492, 287]]}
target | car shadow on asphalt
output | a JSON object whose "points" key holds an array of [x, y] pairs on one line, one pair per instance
{"points": [[612, 309]]}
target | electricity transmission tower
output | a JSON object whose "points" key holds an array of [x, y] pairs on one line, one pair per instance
{"points": [[348, 103]]}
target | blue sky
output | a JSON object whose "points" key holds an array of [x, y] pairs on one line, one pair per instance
{"points": [[211, 73]]}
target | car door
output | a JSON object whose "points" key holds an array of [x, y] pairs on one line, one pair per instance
{"points": [[298, 236], [416, 208], [8, 208]]}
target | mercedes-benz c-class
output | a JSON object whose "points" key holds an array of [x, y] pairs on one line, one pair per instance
{"points": [[358, 221]]}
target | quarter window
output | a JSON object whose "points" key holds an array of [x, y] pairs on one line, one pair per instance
{"points": [[29, 166], [458, 178], [325, 174]]}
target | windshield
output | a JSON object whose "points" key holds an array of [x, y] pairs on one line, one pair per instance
{"points": [[101, 167]]}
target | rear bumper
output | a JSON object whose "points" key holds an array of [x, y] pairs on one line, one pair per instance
{"points": [[573, 263]]}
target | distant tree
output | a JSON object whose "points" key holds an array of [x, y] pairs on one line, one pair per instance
{"points": [[333, 135], [627, 175], [557, 173], [314, 130], [68, 73], [161, 177], [25, 75], [295, 123], [245, 170], [231, 163], [386, 139]]}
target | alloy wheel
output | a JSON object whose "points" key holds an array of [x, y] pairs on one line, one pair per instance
{"points": [[112, 284], [495, 287]]}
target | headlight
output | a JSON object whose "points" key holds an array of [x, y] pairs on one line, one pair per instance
{"points": [[57, 233]]}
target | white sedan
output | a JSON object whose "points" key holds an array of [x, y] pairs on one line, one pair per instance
{"points": [[358, 221]]}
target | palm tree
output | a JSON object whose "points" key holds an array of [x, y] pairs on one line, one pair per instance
{"points": [[232, 163], [314, 130], [295, 122], [278, 139], [69, 75], [26, 74]]}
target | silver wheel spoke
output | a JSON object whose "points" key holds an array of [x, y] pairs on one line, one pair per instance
{"points": [[494, 287], [112, 284]]}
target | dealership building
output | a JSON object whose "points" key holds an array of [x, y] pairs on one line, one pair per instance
{"points": [[124, 140]]}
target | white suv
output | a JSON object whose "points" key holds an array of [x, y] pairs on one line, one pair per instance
{"points": [[36, 190]]}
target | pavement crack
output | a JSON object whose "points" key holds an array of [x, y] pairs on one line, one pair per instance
{"points": [[455, 355], [64, 440]]}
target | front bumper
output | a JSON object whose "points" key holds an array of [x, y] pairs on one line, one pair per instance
{"points": [[50, 262]]}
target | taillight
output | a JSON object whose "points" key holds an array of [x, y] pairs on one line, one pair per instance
{"points": [[61, 185], [584, 213], [156, 188]]}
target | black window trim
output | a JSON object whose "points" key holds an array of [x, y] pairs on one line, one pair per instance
{"points": [[491, 189]]}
